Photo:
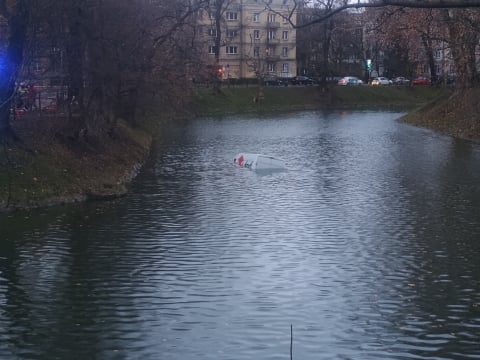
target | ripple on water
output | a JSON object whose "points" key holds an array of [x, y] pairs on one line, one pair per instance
{"points": [[367, 245]]}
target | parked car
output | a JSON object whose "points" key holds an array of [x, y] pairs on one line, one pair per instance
{"points": [[272, 81], [400, 80], [380, 81], [285, 80], [302, 80], [422, 81], [350, 80]]}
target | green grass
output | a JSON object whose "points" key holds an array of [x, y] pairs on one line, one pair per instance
{"points": [[387, 96], [241, 100], [292, 98]]}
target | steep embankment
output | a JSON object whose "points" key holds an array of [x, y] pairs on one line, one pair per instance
{"points": [[456, 114], [40, 169]]}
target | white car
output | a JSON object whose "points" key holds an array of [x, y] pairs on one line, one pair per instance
{"points": [[381, 81], [400, 80]]}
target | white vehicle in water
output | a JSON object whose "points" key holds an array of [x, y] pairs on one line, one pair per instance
{"points": [[258, 162]]}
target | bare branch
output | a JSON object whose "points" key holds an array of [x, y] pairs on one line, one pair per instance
{"points": [[420, 4]]}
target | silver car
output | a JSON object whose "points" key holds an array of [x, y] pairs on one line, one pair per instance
{"points": [[381, 81]]}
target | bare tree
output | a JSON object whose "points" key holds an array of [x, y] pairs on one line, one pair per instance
{"points": [[111, 49], [462, 33], [314, 42], [16, 15], [414, 32], [343, 5], [464, 38]]}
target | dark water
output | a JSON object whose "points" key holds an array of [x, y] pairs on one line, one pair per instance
{"points": [[369, 246]]}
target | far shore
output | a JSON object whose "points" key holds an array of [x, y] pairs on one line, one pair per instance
{"points": [[41, 171]]}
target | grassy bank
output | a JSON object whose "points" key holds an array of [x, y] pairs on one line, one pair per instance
{"points": [[292, 98], [457, 115], [41, 169]]}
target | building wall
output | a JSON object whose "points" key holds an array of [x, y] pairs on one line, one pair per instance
{"points": [[255, 41]]}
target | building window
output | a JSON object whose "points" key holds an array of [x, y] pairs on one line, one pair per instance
{"points": [[256, 34], [231, 49], [212, 32], [232, 16], [211, 15], [212, 49], [256, 51], [284, 35], [256, 17], [285, 68], [271, 34], [271, 67], [232, 33], [285, 51], [271, 18]]}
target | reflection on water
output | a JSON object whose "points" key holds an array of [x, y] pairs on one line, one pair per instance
{"points": [[367, 245]]}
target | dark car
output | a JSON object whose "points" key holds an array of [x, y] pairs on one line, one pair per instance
{"points": [[285, 80], [302, 80], [272, 81]]}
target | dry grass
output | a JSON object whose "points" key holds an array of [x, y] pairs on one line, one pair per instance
{"points": [[456, 114], [42, 168]]}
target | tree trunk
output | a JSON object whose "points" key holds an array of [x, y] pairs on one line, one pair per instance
{"points": [[17, 27], [75, 54], [463, 40], [427, 44], [327, 41]]}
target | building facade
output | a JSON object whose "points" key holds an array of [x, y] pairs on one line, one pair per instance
{"points": [[254, 41]]}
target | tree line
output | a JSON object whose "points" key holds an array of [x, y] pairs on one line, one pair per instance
{"points": [[118, 55], [403, 30]]}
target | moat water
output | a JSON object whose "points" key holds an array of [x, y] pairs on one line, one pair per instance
{"points": [[369, 246]]}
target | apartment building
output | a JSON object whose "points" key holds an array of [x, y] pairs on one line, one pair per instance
{"points": [[254, 40]]}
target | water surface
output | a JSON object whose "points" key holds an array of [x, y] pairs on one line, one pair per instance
{"points": [[369, 246]]}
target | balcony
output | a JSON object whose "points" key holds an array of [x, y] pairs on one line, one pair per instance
{"points": [[272, 57], [273, 24]]}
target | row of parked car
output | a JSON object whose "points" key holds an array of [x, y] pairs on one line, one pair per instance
{"points": [[296, 80], [347, 80], [377, 81]]}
